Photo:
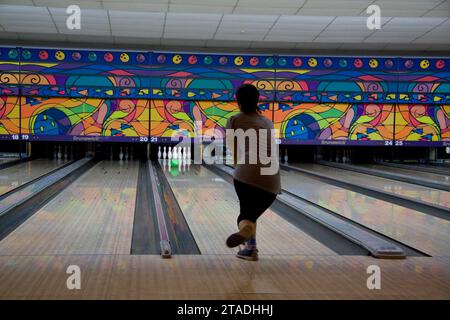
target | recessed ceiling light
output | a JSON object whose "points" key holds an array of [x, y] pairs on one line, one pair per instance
{"points": [[242, 31]]}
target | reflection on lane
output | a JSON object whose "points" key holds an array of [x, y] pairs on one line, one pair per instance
{"points": [[211, 207], [418, 230], [433, 177], [93, 215], [15, 176], [6, 160], [432, 196]]}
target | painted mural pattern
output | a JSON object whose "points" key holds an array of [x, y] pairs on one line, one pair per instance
{"points": [[59, 94]]}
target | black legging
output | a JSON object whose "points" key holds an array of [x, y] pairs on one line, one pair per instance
{"points": [[253, 201]]}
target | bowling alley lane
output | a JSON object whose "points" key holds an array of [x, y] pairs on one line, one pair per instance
{"points": [[426, 176], [211, 207], [424, 232], [6, 160], [21, 173], [408, 190], [93, 215]]}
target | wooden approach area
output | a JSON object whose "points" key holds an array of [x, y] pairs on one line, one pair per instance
{"points": [[222, 277]]}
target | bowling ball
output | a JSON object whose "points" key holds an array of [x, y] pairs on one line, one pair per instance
{"points": [[409, 64], [26, 54], [192, 59], [13, 53], [43, 55], [59, 55], [238, 61], [76, 56], [282, 62], [373, 63], [312, 62], [440, 64], [174, 162], [342, 63], [124, 57], [358, 63], [297, 62], [223, 60], [140, 58], [161, 58], [174, 170], [52, 122], [92, 56], [177, 59], [208, 60], [327, 62], [388, 63], [269, 62], [108, 57], [254, 61], [424, 64], [301, 126]]}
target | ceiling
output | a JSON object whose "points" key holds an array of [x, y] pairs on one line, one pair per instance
{"points": [[244, 25]]}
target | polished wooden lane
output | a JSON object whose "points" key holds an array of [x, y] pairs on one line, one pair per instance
{"points": [[6, 160], [93, 215], [421, 231], [427, 176], [222, 277], [408, 190], [17, 175], [211, 207]]}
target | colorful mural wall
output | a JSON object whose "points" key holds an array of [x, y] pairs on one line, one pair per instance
{"points": [[59, 118], [51, 94]]}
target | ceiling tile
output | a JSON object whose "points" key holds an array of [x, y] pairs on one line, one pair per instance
{"points": [[83, 4], [200, 8], [228, 44], [183, 42]]}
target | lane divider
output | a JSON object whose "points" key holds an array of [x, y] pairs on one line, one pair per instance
{"points": [[377, 246], [404, 201], [11, 200], [166, 248], [383, 174]]}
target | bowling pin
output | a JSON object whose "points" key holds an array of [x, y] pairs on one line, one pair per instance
{"points": [[344, 158], [121, 154], [65, 153], [170, 154], [55, 154], [286, 156], [159, 152], [175, 154], [59, 152], [164, 153], [184, 153], [189, 153]]}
